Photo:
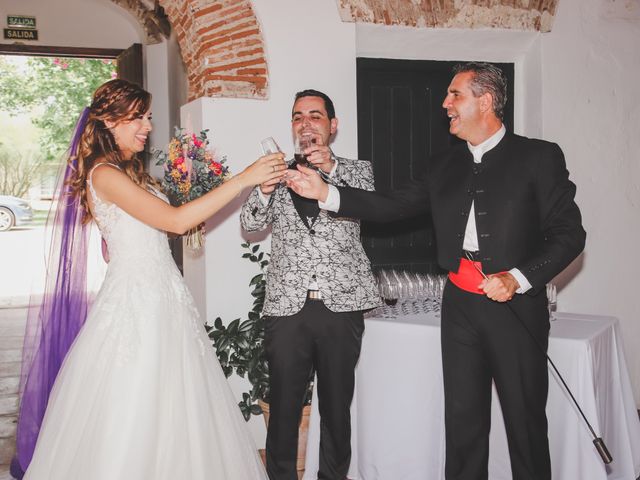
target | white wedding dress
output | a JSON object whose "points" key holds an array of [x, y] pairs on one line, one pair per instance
{"points": [[141, 395]]}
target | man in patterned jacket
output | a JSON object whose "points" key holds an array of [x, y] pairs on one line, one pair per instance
{"points": [[319, 282]]}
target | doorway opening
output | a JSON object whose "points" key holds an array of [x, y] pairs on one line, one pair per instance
{"points": [[42, 92]]}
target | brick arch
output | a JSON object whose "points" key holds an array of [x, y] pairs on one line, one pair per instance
{"points": [[222, 47], [534, 15]]}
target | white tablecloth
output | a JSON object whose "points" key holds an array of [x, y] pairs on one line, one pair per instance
{"points": [[398, 409]]}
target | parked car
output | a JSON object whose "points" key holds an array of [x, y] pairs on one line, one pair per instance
{"points": [[14, 211]]}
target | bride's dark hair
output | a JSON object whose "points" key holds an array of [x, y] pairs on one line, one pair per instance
{"points": [[115, 101]]}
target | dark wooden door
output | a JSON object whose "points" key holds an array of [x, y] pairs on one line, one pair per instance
{"points": [[401, 123], [130, 66]]}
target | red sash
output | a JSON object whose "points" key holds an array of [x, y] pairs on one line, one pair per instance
{"points": [[468, 277]]}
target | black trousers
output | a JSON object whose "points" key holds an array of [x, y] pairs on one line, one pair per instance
{"points": [[329, 342], [483, 341]]}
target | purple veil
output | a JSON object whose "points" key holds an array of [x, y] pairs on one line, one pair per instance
{"points": [[54, 321]]}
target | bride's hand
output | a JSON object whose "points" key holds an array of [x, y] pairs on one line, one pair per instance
{"points": [[266, 169]]}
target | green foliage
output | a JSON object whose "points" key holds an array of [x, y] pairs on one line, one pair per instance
{"points": [[17, 171], [53, 91], [240, 346]]}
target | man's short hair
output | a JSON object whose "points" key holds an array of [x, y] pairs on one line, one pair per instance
{"points": [[487, 78], [328, 104]]}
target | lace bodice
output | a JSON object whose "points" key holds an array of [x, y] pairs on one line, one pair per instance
{"points": [[128, 238], [141, 274]]}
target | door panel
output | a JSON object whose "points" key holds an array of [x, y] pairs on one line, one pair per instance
{"points": [[130, 66]]}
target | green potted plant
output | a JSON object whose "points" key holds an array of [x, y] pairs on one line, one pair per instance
{"points": [[240, 349], [240, 344]]}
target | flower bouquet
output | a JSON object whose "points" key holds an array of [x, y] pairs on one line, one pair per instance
{"points": [[191, 169]]}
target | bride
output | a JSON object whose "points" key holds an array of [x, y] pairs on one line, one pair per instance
{"points": [[140, 393]]}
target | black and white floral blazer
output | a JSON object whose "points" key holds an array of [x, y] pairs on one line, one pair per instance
{"points": [[329, 248]]}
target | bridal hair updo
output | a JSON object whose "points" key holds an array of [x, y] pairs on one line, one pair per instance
{"points": [[115, 101]]}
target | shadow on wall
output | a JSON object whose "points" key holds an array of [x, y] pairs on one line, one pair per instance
{"points": [[569, 273]]}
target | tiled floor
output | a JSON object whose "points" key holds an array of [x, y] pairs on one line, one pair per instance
{"points": [[12, 321]]}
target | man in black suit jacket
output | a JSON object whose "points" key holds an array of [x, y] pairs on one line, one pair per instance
{"points": [[504, 204]]}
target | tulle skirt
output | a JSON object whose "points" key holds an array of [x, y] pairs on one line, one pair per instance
{"points": [[141, 395]]}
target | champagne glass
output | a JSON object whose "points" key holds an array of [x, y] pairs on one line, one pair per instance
{"points": [[382, 283], [430, 287], [270, 146], [421, 286], [411, 285]]}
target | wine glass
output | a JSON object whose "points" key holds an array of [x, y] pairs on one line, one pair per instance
{"points": [[552, 300], [301, 143], [388, 289], [393, 293]]}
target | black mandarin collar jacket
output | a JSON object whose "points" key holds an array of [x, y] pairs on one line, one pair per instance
{"points": [[526, 216]]}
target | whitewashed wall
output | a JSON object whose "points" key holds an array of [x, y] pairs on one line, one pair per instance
{"points": [[165, 78], [316, 51], [591, 107], [76, 23]]}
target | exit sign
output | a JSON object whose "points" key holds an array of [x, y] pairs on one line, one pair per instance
{"points": [[21, 22], [20, 34]]}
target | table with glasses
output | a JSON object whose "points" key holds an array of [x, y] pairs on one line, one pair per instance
{"points": [[398, 408]]}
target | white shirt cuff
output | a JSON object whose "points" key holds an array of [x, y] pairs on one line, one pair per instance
{"points": [[333, 169], [332, 203], [525, 286], [264, 199]]}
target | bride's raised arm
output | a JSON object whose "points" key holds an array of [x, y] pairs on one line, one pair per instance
{"points": [[114, 186]]}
